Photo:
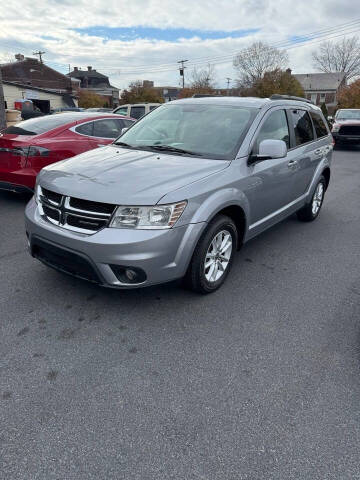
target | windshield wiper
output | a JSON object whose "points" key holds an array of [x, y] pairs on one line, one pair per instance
{"points": [[169, 148], [123, 144]]}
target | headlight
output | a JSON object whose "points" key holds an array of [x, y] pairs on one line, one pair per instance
{"points": [[37, 193], [157, 217], [335, 127]]}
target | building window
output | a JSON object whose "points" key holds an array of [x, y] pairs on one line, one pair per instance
{"points": [[322, 97]]}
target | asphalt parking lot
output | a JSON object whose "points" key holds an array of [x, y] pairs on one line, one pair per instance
{"points": [[260, 380]]}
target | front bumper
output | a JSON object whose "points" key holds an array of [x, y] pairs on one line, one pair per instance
{"points": [[163, 255], [340, 138]]}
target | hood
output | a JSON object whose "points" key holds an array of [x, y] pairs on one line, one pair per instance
{"points": [[125, 177], [348, 122]]}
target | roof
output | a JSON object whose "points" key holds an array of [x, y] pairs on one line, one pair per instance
{"points": [[31, 72], [86, 73], [234, 101], [31, 87], [74, 116], [320, 81], [254, 102]]}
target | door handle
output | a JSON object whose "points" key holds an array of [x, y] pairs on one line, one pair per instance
{"points": [[318, 151], [292, 163]]}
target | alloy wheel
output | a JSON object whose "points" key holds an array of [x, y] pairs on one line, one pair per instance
{"points": [[317, 199], [218, 256]]}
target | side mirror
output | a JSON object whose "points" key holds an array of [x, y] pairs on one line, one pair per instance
{"points": [[269, 150], [123, 130]]}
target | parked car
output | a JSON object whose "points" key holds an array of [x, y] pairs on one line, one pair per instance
{"points": [[136, 110], [28, 146], [66, 109], [99, 109], [346, 126], [180, 191]]}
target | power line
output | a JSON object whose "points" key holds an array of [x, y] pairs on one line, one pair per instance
{"points": [[302, 38], [311, 38]]}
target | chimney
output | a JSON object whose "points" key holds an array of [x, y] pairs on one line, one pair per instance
{"points": [[89, 68], [288, 70], [19, 57], [76, 69]]}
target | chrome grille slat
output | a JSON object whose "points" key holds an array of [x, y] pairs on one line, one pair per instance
{"points": [[70, 217]]}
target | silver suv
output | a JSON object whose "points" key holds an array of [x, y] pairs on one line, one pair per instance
{"points": [[180, 191]]}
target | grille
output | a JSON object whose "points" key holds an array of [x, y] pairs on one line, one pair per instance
{"points": [[64, 260], [52, 197], [350, 130], [75, 214], [78, 203]]}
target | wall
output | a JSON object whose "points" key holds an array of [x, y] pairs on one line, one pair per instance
{"points": [[13, 93]]}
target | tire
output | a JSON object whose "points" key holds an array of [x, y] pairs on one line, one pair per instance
{"points": [[199, 277], [311, 210]]}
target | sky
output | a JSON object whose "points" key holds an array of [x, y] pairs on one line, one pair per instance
{"points": [[144, 39]]}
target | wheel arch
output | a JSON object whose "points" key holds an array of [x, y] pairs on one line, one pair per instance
{"points": [[238, 216], [326, 174]]}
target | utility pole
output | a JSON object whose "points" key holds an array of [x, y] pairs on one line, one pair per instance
{"points": [[40, 53], [2, 105], [228, 85], [182, 71]]}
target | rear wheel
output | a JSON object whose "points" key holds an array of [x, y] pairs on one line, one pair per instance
{"points": [[311, 210], [213, 256]]}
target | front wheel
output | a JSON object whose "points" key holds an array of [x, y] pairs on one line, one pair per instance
{"points": [[213, 256], [312, 209]]}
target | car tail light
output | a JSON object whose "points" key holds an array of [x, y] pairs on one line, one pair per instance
{"points": [[31, 151]]}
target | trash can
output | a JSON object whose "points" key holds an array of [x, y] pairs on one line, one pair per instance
{"points": [[12, 117]]}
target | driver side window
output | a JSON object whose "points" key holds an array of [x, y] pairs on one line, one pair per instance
{"points": [[275, 127]]}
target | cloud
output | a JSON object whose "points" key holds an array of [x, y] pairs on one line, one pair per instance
{"points": [[144, 39]]}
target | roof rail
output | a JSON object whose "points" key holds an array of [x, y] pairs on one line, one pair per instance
{"points": [[290, 97]]}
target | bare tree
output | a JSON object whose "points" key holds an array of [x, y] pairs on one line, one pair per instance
{"points": [[203, 78], [252, 62], [342, 56]]}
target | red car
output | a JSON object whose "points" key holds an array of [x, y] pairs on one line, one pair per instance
{"points": [[28, 146]]}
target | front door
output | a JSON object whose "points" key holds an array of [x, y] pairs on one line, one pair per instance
{"points": [[268, 184]]}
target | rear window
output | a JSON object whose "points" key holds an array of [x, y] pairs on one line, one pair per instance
{"points": [[320, 127], [303, 127], [35, 126], [85, 128], [137, 112]]}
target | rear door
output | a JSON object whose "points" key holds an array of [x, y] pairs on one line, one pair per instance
{"points": [[306, 150]]}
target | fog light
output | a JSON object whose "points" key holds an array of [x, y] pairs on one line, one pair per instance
{"points": [[129, 275]]}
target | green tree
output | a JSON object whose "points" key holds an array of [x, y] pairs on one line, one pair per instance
{"points": [[137, 93], [90, 100], [349, 97], [276, 82]]}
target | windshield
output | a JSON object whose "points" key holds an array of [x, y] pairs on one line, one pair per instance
{"points": [[212, 131], [35, 126], [348, 115]]}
